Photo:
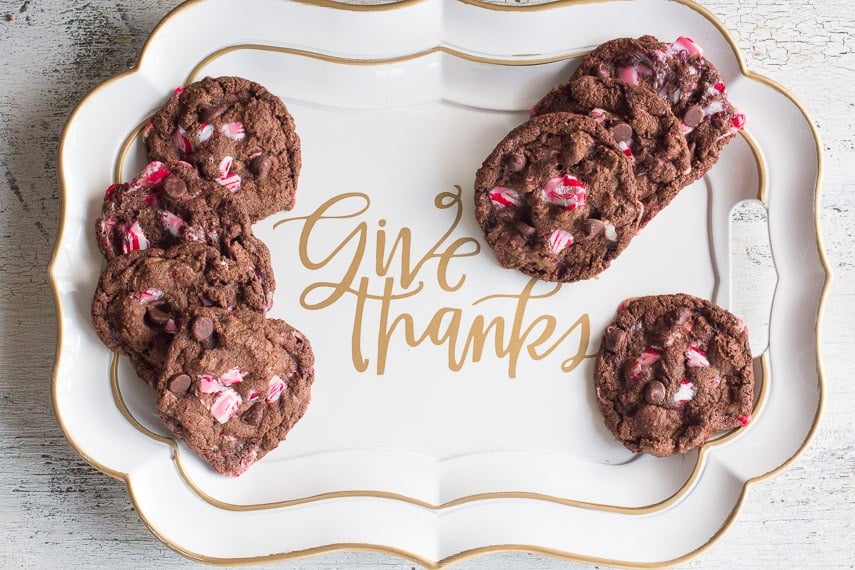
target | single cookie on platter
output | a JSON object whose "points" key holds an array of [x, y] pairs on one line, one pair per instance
{"points": [[680, 75], [234, 384], [673, 370], [166, 205], [643, 125], [557, 199], [141, 297], [236, 133]]}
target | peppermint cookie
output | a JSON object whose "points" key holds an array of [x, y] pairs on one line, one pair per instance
{"points": [[142, 296], [672, 370], [643, 126], [234, 384], [165, 205], [236, 133], [679, 74], [556, 198]]}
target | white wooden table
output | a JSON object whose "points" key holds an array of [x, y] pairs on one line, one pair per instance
{"points": [[57, 511]]}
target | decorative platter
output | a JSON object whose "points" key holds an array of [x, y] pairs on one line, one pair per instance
{"points": [[453, 412]]}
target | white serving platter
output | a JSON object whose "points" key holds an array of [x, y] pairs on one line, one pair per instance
{"points": [[453, 409]]}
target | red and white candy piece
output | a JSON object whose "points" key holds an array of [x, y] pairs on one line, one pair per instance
{"points": [[232, 376], [108, 224], [206, 131], [744, 419], [685, 393], [170, 327], [275, 387], [598, 114], [696, 358], [172, 223], [209, 384], [558, 240], [110, 190], [632, 75], [153, 173], [150, 295], [134, 239], [253, 396], [648, 356], [609, 230], [233, 131], [182, 141], [684, 43], [225, 405], [567, 191], [230, 181], [626, 150], [504, 197]]}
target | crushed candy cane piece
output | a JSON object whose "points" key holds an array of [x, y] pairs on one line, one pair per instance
{"points": [[275, 388], [170, 327], [504, 197], [567, 191], [172, 223], [182, 141], [684, 43], [744, 419], [626, 150], [232, 376], [134, 239], [598, 114], [206, 131], [558, 240], [209, 384], [149, 295], [696, 358], [685, 393], [225, 405], [233, 131], [610, 231], [153, 173], [253, 396], [230, 181], [632, 74], [649, 356]]}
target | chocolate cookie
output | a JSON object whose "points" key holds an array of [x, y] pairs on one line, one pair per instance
{"points": [[556, 198], [643, 126], [167, 204], [680, 75], [233, 385], [142, 296], [235, 132], [671, 371]]}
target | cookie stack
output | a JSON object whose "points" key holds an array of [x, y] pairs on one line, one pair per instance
{"points": [[187, 285], [564, 193]]}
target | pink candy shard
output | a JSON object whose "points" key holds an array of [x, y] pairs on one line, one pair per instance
{"points": [[684, 43], [150, 199], [230, 181], [685, 393], [567, 191], [110, 190], [232, 376], [558, 240], [744, 419], [626, 150], [632, 74], [597, 114], [233, 131], [685, 129], [134, 239], [153, 173], [172, 223], [696, 358], [504, 197], [253, 396], [649, 356], [178, 90], [225, 405], [738, 121], [275, 387], [209, 384], [720, 87], [182, 141], [206, 131], [170, 327], [149, 295], [108, 224]]}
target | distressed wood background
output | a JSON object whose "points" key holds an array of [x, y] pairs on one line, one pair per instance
{"points": [[57, 511]]}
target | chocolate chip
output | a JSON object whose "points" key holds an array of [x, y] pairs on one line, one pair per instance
{"points": [[208, 113], [654, 392], [679, 316], [516, 162], [203, 328], [524, 229], [174, 187], [253, 415], [693, 116], [593, 228], [260, 166], [622, 132], [614, 338], [179, 384], [156, 315]]}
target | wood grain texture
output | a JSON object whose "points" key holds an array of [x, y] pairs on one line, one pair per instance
{"points": [[57, 511]]}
